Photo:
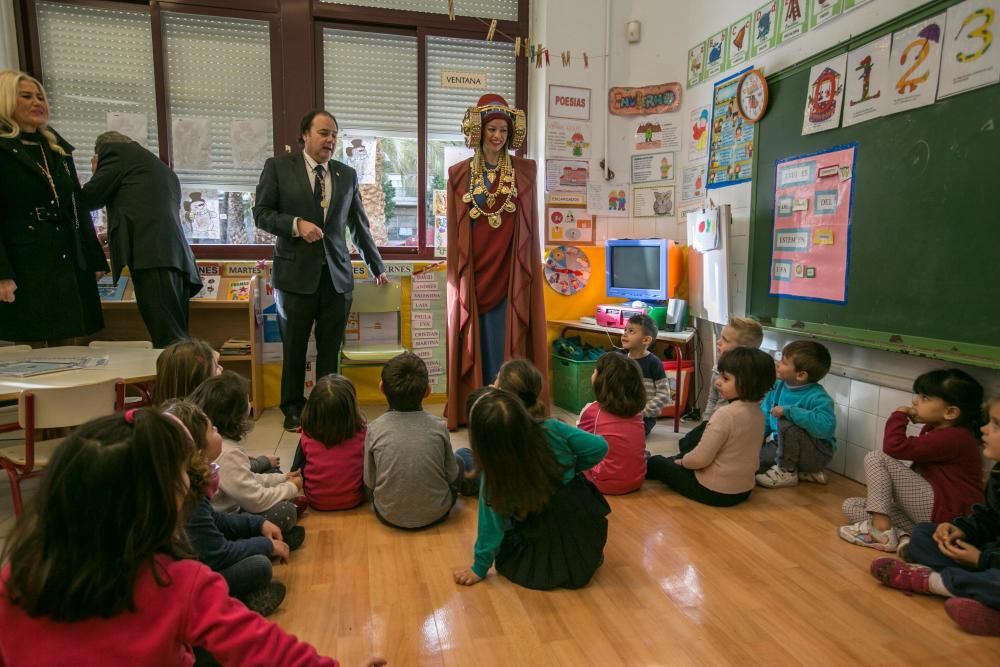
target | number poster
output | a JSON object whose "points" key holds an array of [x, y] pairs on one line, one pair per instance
{"points": [[812, 222], [968, 61], [867, 89], [915, 64]]}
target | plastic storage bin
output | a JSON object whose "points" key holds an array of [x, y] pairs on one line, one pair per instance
{"points": [[570, 383]]}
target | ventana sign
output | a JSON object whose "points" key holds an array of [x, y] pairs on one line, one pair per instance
{"points": [[468, 80], [645, 100]]}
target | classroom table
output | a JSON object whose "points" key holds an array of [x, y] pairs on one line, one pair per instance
{"points": [[676, 339], [133, 365]]}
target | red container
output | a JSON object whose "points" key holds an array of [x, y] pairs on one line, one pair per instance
{"points": [[670, 368]]}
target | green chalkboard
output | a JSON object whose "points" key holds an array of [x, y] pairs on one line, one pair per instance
{"points": [[924, 263]]}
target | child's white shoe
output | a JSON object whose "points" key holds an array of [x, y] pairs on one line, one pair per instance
{"points": [[776, 478], [864, 534], [814, 477]]}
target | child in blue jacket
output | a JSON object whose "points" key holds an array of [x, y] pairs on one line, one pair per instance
{"points": [[799, 418]]}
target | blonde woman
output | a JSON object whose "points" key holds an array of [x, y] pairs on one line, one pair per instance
{"points": [[50, 258]]}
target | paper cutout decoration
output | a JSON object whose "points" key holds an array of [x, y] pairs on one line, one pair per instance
{"points": [[970, 59], [740, 37], [567, 269], [765, 25], [716, 53], [696, 65], [823, 11], [793, 19], [825, 95], [697, 137], [866, 93], [915, 64]]}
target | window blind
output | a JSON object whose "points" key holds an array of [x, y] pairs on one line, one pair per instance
{"points": [[218, 78], [504, 10], [370, 82], [97, 61], [446, 106]]}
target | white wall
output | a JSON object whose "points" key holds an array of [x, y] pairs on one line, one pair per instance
{"points": [[669, 29], [8, 37]]}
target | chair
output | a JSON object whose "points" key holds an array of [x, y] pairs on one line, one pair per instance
{"points": [[8, 413], [371, 298], [53, 408], [144, 389]]}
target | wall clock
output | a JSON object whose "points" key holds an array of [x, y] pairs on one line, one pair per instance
{"points": [[751, 95]]}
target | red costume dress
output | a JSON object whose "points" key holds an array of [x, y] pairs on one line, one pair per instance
{"points": [[486, 264]]}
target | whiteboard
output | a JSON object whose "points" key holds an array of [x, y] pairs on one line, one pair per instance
{"points": [[709, 272]]}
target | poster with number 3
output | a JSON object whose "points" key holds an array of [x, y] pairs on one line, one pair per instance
{"points": [[970, 58], [914, 64]]}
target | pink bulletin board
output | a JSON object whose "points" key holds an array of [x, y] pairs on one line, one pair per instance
{"points": [[810, 247]]}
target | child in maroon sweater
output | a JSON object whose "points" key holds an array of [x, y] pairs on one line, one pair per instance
{"points": [[945, 479]]}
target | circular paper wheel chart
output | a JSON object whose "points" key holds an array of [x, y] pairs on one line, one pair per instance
{"points": [[567, 269]]}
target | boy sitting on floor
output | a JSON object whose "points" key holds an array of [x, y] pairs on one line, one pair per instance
{"points": [[639, 334]]}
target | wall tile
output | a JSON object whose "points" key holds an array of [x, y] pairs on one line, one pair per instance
{"points": [[890, 399], [879, 432], [861, 428], [839, 388], [839, 459], [842, 412], [855, 462], [864, 396]]}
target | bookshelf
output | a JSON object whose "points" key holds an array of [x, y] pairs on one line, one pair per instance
{"points": [[213, 321]]}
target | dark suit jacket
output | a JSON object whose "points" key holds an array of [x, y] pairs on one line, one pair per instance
{"points": [[284, 193], [143, 197]]}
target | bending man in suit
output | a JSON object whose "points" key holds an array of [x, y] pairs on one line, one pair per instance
{"points": [[308, 201], [143, 198]]}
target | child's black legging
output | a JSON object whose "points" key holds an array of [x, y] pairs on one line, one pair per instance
{"points": [[684, 482]]}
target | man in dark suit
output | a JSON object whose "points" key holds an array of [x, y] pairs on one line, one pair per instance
{"points": [[308, 201], [143, 197]]}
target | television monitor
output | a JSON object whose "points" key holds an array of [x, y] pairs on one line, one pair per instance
{"points": [[637, 268]]}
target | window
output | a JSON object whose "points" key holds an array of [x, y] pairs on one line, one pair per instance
{"points": [[98, 67], [218, 83], [370, 85], [490, 9], [445, 109]]}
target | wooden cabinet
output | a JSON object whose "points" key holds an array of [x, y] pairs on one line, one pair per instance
{"points": [[212, 321]]}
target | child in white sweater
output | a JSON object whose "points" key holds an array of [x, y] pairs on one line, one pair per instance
{"points": [[226, 400]]}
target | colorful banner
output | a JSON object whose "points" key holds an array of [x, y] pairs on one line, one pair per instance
{"points": [[731, 158], [812, 222]]}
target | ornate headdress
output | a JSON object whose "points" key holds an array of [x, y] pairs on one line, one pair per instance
{"points": [[493, 106]]}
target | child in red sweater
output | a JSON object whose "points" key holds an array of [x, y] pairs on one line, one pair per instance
{"points": [[92, 567], [945, 479], [331, 452], [616, 416]]}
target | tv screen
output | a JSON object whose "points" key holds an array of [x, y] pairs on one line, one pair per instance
{"points": [[636, 267]]}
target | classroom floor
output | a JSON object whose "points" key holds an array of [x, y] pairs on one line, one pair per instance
{"points": [[766, 582]]}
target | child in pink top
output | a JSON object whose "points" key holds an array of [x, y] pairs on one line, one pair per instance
{"points": [[331, 453], [616, 415], [131, 601]]}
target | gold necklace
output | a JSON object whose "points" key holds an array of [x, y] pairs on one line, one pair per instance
{"points": [[478, 186]]}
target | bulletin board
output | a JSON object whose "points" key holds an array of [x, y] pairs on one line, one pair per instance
{"points": [[925, 220]]}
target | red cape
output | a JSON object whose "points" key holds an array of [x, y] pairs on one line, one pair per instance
{"points": [[526, 335]]}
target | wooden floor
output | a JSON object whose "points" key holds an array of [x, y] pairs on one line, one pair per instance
{"points": [[768, 582]]}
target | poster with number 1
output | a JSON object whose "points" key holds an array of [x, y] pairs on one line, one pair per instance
{"points": [[968, 61]]}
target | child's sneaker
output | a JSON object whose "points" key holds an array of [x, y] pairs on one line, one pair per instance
{"points": [[776, 478], [265, 600], [903, 550], [294, 537], [973, 616], [896, 574], [864, 534], [814, 477]]}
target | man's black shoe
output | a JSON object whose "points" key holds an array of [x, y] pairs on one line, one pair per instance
{"points": [[292, 423]]}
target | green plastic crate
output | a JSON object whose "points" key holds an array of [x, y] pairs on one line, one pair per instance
{"points": [[570, 382]]}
